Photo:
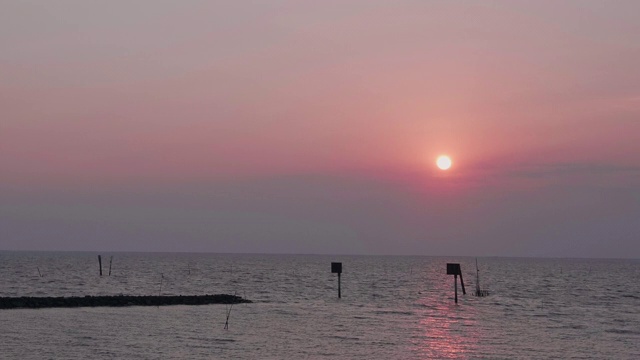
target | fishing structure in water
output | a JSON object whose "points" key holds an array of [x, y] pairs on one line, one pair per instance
{"points": [[479, 292]]}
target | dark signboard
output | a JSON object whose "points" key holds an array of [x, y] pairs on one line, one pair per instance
{"points": [[453, 269]]}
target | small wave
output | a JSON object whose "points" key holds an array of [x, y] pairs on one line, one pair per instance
{"points": [[555, 313], [574, 327], [384, 343], [428, 306], [344, 337], [393, 312], [224, 340], [622, 331]]}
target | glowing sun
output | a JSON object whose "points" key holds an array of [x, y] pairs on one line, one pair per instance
{"points": [[443, 162]]}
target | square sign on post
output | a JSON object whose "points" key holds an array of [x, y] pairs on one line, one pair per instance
{"points": [[453, 269]]}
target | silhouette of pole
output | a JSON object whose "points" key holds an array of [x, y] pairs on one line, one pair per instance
{"points": [[455, 286], [336, 268], [477, 279]]}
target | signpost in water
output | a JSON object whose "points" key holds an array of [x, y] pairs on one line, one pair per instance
{"points": [[455, 270], [336, 267]]}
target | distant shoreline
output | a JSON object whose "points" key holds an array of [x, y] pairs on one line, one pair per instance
{"points": [[213, 253], [28, 302]]}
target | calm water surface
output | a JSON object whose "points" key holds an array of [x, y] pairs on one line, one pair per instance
{"points": [[392, 308]]}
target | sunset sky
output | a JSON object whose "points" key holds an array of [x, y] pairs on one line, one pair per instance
{"points": [[314, 127]]}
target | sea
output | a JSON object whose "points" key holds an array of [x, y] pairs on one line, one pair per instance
{"points": [[391, 307]]}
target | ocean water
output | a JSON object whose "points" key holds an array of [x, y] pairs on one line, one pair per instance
{"points": [[391, 308]]}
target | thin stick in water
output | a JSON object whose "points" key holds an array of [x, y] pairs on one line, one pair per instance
{"points": [[226, 323], [39, 273], [110, 261]]}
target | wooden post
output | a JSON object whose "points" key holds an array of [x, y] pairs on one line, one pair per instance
{"points": [[455, 286], [477, 279], [336, 267], [110, 261], [100, 264]]}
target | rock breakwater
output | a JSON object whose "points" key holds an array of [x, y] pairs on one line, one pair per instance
{"points": [[116, 301]]}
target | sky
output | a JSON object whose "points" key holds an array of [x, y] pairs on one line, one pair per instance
{"points": [[313, 127]]}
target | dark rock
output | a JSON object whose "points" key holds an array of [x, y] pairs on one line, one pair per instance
{"points": [[118, 300]]}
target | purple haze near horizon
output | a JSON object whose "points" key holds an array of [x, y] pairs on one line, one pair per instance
{"points": [[313, 127]]}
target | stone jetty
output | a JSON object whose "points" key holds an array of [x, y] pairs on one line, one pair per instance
{"points": [[116, 301]]}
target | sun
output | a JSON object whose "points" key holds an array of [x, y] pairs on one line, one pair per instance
{"points": [[443, 162]]}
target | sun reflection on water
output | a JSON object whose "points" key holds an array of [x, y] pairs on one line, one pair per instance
{"points": [[449, 331]]}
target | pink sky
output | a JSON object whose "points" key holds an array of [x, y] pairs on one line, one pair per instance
{"points": [[306, 126]]}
